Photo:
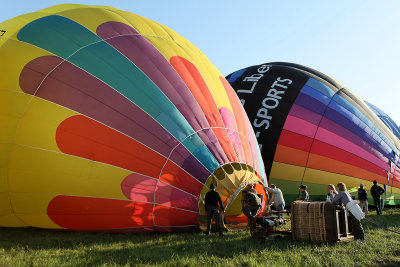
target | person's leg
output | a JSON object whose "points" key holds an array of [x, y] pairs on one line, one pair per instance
{"points": [[254, 211], [380, 206], [209, 218], [358, 230], [363, 206], [217, 221], [376, 204], [280, 207], [247, 211]]}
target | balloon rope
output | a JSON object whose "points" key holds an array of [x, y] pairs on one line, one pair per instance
{"points": [[371, 222]]}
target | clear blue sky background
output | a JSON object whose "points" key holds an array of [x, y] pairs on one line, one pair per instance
{"points": [[356, 42]]}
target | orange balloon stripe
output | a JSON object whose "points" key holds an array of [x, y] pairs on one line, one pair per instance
{"points": [[240, 120], [334, 166], [84, 137], [85, 213], [290, 155], [196, 84]]}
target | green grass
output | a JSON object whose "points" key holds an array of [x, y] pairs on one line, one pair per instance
{"points": [[35, 247]]}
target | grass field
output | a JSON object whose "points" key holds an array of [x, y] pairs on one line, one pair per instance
{"points": [[35, 247]]}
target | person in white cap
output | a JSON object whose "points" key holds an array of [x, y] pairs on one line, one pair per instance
{"points": [[363, 198]]}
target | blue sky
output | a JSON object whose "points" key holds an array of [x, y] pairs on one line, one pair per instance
{"points": [[356, 42]]}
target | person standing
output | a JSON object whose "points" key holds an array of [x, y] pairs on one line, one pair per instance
{"points": [[331, 193], [363, 198], [376, 192], [343, 197], [303, 193], [276, 199], [212, 198]]}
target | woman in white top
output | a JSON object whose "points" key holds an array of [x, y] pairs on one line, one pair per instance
{"points": [[331, 193]]}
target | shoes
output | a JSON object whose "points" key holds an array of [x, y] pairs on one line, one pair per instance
{"points": [[207, 233], [220, 234]]}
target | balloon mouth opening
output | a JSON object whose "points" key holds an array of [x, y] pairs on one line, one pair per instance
{"points": [[230, 180]]}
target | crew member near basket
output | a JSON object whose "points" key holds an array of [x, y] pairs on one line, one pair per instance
{"points": [[276, 199], [303, 193], [343, 197], [212, 198], [251, 204], [376, 192]]}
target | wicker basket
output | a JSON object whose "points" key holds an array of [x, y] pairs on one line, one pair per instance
{"points": [[319, 221]]}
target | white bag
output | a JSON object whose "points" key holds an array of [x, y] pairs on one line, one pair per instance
{"points": [[355, 209]]}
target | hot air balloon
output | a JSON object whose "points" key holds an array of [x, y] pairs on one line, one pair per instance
{"points": [[312, 130], [113, 122]]}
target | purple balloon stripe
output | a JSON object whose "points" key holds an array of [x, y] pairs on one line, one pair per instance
{"points": [[305, 114], [148, 59], [310, 103]]}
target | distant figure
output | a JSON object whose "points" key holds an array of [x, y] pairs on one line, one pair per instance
{"points": [[276, 199], [376, 192], [251, 203], [331, 193], [303, 193], [212, 198], [343, 197], [363, 198]]}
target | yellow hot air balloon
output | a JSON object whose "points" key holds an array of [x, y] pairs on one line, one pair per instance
{"points": [[111, 121]]}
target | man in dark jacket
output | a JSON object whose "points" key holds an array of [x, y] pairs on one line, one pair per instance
{"points": [[376, 192], [212, 198], [303, 193], [363, 198]]}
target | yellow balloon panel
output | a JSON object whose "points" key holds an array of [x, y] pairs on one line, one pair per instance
{"points": [[33, 205], [11, 220], [39, 125], [286, 171], [12, 106], [19, 53], [36, 170]]}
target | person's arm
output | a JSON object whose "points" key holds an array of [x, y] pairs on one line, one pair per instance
{"points": [[270, 201], [336, 199], [382, 190], [271, 190]]}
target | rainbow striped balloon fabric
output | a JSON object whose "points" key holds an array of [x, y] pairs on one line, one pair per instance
{"points": [[314, 131], [113, 122]]}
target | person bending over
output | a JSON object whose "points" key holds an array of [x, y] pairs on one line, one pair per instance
{"points": [[251, 203], [343, 197]]}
